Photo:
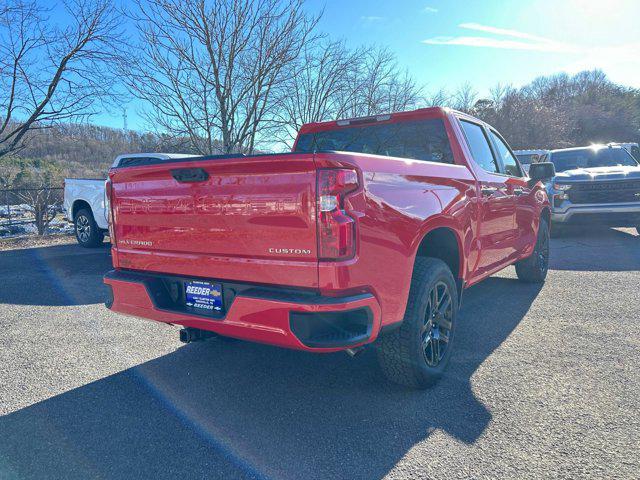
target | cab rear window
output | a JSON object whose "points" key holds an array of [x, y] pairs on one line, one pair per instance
{"points": [[418, 140]]}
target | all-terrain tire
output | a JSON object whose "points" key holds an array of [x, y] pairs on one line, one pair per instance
{"points": [[87, 232], [402, 354], [534, 268]]}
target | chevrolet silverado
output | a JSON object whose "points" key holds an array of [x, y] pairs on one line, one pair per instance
{"points": [[366, 233], [595, 185]]}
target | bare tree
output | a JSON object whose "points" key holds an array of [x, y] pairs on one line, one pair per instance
{"points": [[377, 85], [439, 98], [562, 111], [210, 70], [497, 94], [465, 97], [317, 90], [331, 82], [50, 74], [33, 183], [42, 202]]}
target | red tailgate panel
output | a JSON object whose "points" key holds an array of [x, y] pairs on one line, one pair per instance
{"points": [[253, 219]]}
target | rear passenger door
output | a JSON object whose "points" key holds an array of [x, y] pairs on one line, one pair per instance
{"points": [[518, 188], [497, 209]]}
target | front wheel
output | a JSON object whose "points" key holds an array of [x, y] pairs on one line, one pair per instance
{"points": [[87, 232], [534, 268], [417, 353]]}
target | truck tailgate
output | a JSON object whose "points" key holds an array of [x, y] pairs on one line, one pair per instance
{"points": [[241, 218]]}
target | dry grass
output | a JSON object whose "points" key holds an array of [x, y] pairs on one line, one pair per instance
{"points": [[31, 241]]}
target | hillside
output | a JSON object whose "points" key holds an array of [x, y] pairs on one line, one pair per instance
{"points": [[81, 150]]}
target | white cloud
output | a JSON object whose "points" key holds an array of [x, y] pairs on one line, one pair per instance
{"points": [[502, 31], [430, 10], [485, 42], [621, 62], [526, 41], [371, 18]]}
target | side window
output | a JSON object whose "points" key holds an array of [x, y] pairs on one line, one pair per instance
{"points": [[479, 146], [508, 160]]}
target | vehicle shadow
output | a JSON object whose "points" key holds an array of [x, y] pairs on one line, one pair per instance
{"points": [[221, 409], [596, 249], [56, 275]]}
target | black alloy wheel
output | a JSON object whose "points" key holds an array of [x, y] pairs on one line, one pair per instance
{"points": [[436, 329]]}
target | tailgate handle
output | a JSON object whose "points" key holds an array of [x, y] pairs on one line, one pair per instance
{"points": [[190, 175]]}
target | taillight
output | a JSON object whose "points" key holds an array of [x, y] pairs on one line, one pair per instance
{"points": [[107, 198], [107, 207], [336, 229]]}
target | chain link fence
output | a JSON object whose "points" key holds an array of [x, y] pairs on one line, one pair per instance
{"points": [[32, 210]]}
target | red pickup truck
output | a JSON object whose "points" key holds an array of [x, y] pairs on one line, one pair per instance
{"points": [[368, 231]]}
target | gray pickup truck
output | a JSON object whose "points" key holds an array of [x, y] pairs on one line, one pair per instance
{"points": [[599, 184]]}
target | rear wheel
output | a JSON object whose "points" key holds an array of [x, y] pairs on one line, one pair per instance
{"points": [[87, 232], [534, 268], [417, 353]]}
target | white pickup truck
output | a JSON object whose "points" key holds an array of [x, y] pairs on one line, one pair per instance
{"points": [[84, 199]]}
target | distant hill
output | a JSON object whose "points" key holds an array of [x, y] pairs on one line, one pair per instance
{"points": [[82, 150]]}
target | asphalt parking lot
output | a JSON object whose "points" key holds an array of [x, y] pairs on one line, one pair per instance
{"points": [[544, 383]]}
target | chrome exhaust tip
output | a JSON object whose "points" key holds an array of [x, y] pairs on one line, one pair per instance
{"points": [[352, 352]]}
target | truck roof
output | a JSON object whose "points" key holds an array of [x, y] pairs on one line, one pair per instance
{"points": [[161, 156], [431, 112]]}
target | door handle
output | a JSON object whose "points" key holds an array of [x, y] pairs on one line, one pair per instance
{"points": [[488, 191]]}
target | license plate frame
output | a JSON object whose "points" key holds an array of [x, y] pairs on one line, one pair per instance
{"points": [[203, 297]]}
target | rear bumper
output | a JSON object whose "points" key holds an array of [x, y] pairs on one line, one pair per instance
{"points": [[284, 318], [615, 214]]}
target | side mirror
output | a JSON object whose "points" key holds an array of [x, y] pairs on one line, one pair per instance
{"points": [[541, 172]]}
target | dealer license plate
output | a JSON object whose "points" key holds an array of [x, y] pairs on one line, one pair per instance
{"points": [[203, 296]]}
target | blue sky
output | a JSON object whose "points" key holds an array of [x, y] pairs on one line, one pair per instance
{"points": [[447, 43]]}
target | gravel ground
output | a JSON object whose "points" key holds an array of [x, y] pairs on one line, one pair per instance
{"points": [[544, 383]]}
